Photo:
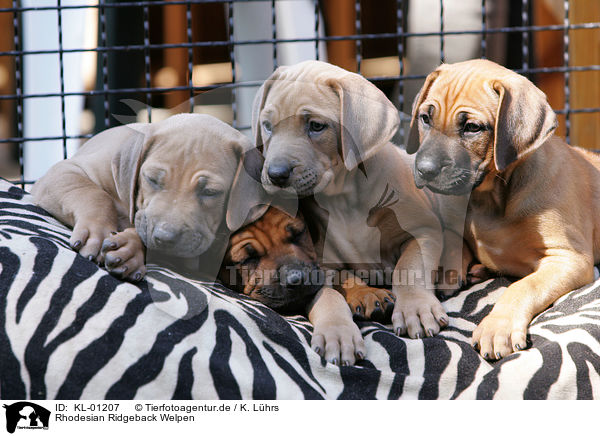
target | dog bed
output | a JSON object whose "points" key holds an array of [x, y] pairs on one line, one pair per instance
{"points": [[69, 330]]}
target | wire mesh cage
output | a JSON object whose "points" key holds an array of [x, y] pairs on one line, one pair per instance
{"points": [[71, 68]]}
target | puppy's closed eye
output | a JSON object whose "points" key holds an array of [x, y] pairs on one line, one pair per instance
{"points": [[155, 179], [244, 253], [250, 255], [205, 190], [294, 231]]}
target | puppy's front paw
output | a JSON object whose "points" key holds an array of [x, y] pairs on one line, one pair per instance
{"points": [[339, 341], [370, 303], [418, 313], [87, 238], [123, 254], [499, 335]]}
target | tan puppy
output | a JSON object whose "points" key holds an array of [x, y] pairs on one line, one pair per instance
{"points": [[175, 180], [325, 134], [534, 201]]}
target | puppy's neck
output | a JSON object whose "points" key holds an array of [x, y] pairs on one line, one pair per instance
{"points": [[490, 197], [345, 182]]}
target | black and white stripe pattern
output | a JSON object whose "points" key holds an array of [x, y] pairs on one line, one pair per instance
{"points": [[69, 330]]}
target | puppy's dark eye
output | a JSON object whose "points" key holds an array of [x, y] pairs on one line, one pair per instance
{"points": [[316, 127], [267, 127], [471, 127], [425, 119]]}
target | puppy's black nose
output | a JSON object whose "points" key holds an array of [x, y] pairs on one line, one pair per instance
{"points": [[164, 234], [279, 172], [428, 169], [292, 276]]}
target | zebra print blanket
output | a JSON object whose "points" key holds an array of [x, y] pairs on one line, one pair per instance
{"points": [[69, 330]]}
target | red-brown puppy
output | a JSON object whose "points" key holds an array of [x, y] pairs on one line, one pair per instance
{"points": [[534, 208], [273, 260]]}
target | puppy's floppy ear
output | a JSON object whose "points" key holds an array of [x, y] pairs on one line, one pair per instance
{"points": [[524, 120], [125, 165], [413, 142], [368, 119], [259, 103], [247, 201]]}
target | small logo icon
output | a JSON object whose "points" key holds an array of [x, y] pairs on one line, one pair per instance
{"points": [[26, 416]]}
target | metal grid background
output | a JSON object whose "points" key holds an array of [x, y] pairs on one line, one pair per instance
{"points": [[106, 94]]}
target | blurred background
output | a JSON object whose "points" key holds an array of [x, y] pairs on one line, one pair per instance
{"points": [[71, 68]]}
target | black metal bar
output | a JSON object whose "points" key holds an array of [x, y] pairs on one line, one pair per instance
{"points": [[567, 75], [188, 16], [104, 71], [147, 76], [274, 32], [525, 36], [483, 28], [400, 31], [442, 56], [233, 70], [544, 70], [19, 90], [358, 25], [359, 37], [62, 82], [121, 5], [317, 22]]}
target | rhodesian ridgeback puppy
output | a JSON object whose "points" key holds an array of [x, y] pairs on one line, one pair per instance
{"points": [[273, 260], [482, 130], [325, 135], [174, 183]]}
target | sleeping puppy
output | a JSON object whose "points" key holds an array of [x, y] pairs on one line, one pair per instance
{"points": [[173, 182], [273, 260], [482, 130], [325, 135]]}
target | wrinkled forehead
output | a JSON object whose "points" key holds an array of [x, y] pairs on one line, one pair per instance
{"points": [[288, 98], [194, 150], [455, 91]]}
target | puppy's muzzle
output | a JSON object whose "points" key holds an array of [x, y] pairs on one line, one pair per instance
{"points": [[446, 167], [168, 239], [293, 288], [164, 235], [296, 275], [427, 169]]}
